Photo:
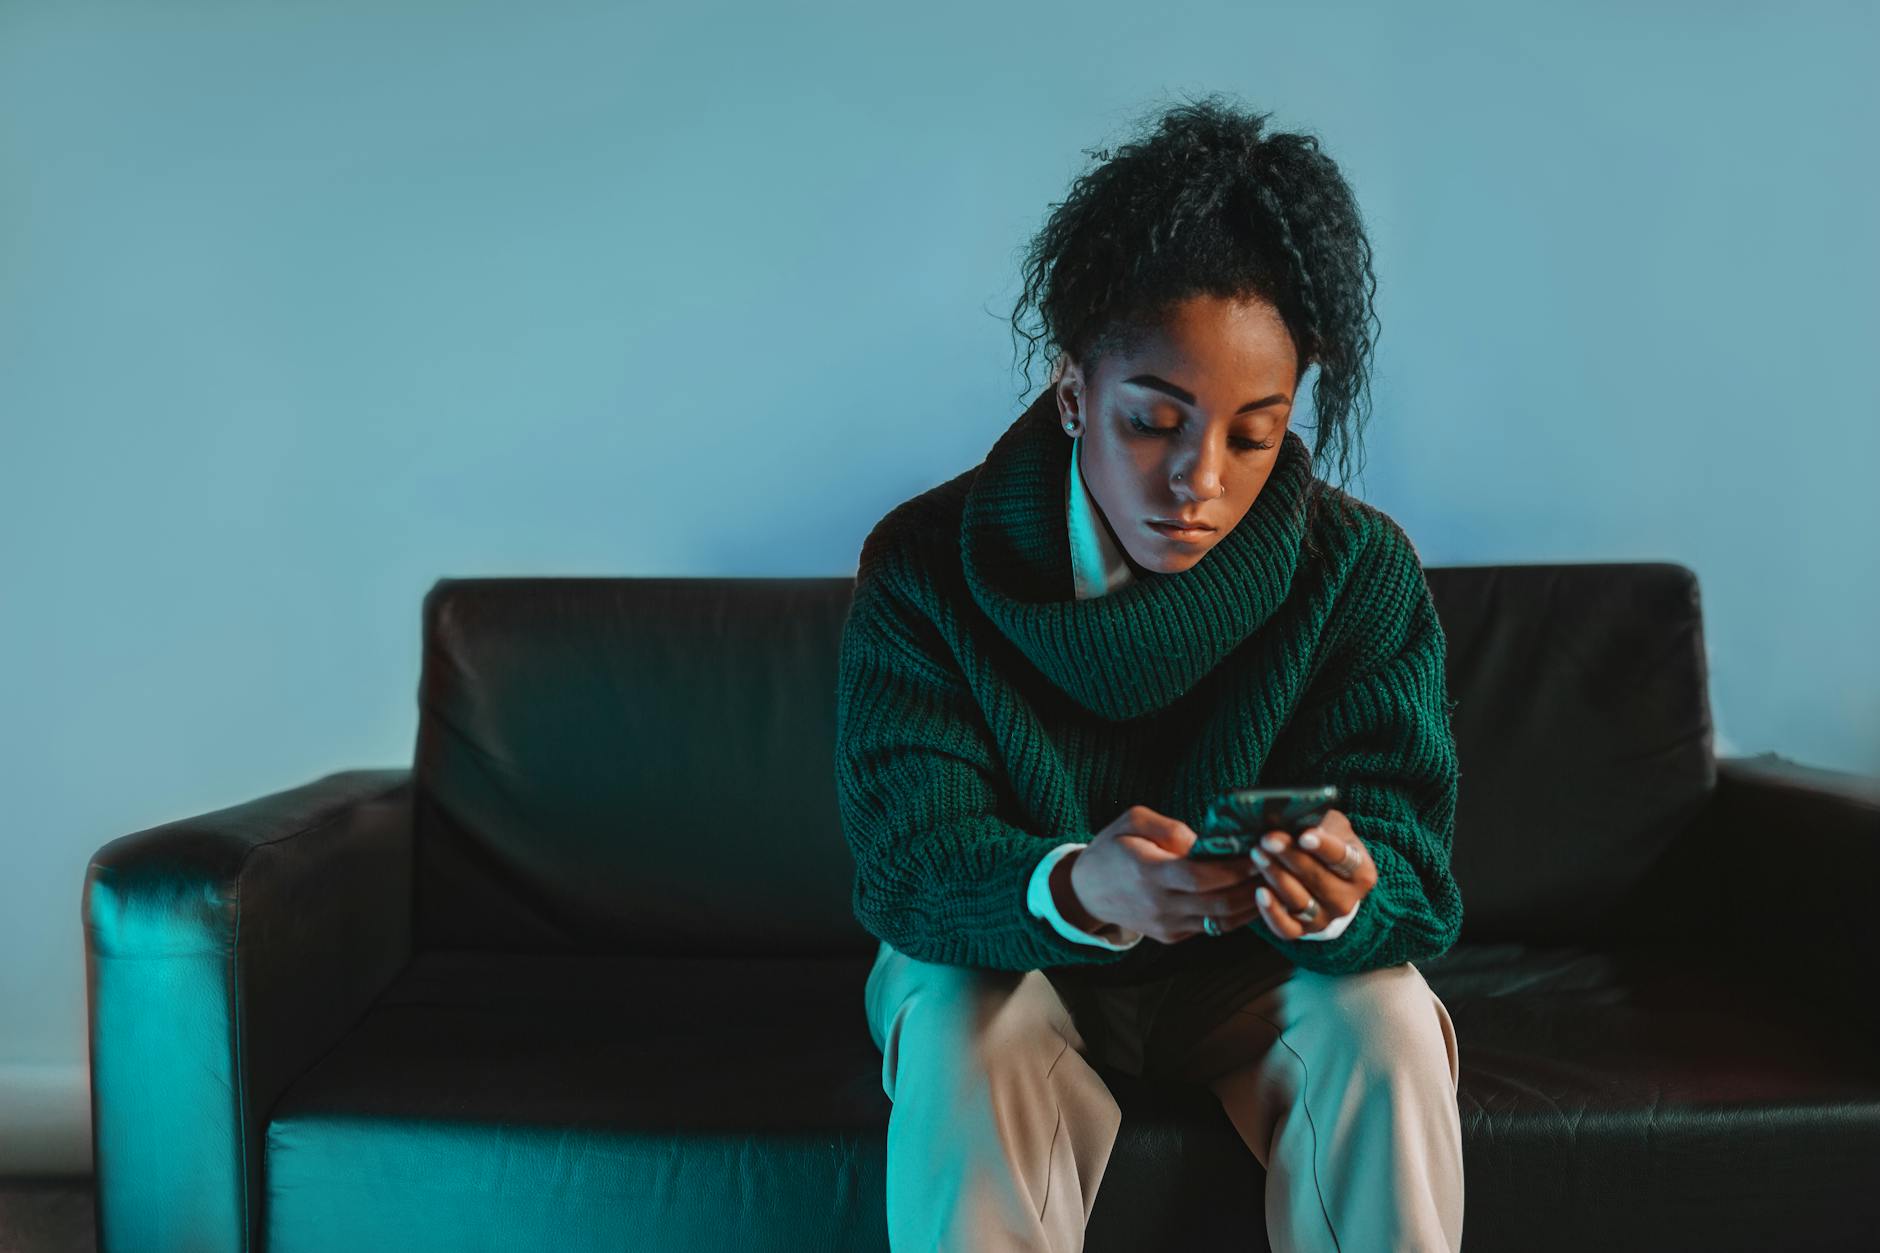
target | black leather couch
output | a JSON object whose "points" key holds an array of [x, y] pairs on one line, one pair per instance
{"points": [[585, 976]]}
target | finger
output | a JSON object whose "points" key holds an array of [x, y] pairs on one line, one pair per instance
{"points": [[1165, 830], [1240, 918], [1321, 844], [1289, 887], [1313, 875], [1290, 894], [1330, 849], [1210, 874], [1226, 904], [1278, 921], [1232, 922]]}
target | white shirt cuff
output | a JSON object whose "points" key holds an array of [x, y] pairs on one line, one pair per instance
{"points": [[1038, 900]]}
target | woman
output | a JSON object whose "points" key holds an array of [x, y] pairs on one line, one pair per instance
{"points": [[1042, 685]]}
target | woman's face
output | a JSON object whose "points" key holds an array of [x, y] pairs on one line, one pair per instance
{"points": [[1213, 387]]}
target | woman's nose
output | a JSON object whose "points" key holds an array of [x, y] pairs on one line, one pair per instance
{"points": [[1200, 476]]}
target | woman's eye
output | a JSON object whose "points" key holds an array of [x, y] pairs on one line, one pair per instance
{"points": [[1245, 445]]}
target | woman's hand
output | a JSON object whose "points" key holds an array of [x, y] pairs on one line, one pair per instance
{"points": [[1136, 873], [1298, 875]]}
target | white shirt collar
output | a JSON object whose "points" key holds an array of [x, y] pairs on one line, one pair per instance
{"points": [[1097, 564]]}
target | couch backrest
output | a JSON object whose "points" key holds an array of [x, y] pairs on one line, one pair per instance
{"points": [[632, 764], [646, 765], [1583, 736]]}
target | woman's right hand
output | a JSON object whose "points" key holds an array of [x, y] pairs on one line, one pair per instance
{"points": [[1136, 873]]}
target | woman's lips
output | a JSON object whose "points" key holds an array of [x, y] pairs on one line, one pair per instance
{"points": [[1181, 535]]}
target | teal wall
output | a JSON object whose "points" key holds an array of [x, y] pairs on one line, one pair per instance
{"points": [[304, 306]]}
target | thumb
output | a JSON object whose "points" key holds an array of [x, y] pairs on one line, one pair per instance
{"points": [[1165, 838]]}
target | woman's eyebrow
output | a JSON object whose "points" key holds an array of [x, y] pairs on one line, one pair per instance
{"points": [[1188, 397]]}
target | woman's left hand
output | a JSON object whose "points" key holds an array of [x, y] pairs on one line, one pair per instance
{"points": [[1298, 875]]}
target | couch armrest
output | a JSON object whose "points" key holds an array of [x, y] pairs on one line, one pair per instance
{"points": [[1777, 834], [224, 954]]}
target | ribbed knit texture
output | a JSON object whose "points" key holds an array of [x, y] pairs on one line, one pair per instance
{"points": [[985, 713]]}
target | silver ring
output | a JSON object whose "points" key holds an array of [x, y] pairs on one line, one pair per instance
{"points": [[1208, 925], [1354, 857], [1309, 913]]}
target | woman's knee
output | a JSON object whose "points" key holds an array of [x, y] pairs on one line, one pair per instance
{"points": [[978, 1024], [1389, 1017]]}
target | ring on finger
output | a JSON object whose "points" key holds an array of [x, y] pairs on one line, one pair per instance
{"points": [[1347, 866], [1306, 915]]}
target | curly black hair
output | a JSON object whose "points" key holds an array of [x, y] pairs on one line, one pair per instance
{"points": [[1206, 203]]}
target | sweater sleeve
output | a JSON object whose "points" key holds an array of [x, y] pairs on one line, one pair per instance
{"points": [[941, 868], [1378, 727]]}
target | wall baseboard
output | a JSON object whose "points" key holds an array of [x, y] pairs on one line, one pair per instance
{"points": [[45, 1120]]}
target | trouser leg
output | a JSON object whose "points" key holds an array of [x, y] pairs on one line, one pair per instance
{"points": [[1344, 1087], [1000, 1129]]}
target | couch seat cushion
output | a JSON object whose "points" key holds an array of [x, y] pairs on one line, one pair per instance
{"points": [[544, 1101]]}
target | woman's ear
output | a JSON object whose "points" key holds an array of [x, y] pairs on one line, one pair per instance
{"points": [[1070, 398]]}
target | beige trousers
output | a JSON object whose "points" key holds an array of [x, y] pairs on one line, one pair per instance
{"points": [[1343, 1086]]}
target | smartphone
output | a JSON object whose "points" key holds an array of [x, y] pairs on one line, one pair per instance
{"points": [[1236, 820]]}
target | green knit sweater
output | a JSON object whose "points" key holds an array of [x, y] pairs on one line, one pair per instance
{"points": [[986, 714]]}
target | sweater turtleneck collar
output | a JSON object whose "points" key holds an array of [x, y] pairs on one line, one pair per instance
{"points": [[1140, 647]]}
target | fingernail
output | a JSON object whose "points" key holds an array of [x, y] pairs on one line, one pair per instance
{"points": [[1272, 843], [1309, 840], [1259, 858], [1263, 896]]}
